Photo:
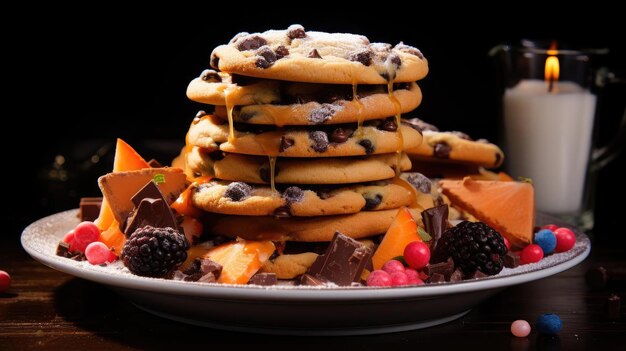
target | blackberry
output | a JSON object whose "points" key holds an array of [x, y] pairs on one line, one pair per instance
{"points": [[473, 246], [153, 252]]}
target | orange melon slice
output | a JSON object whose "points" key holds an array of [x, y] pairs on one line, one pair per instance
{"points": [[506, 206], [240, 259], [126, 159], [113, 237], [402, 231]]}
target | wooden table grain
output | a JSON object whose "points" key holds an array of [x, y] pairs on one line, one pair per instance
{"points": [[49, 310]]}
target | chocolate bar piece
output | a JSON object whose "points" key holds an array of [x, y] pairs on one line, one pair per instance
{"points": [[435, 222], [155, 164], [89, 208], [343, 261], [149, 191], [309, 280], [444, 268], [154, 212], [263, 279], [63, 249], [511, 260], [478, 275], [437, 278], [456, 276]]}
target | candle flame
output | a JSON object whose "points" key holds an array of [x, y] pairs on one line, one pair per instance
{"points": [[552, 67]]}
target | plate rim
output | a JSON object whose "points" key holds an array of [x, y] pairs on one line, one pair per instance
{"points": [[284, 294]]}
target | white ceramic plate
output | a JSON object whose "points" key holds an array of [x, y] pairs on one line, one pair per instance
{"points": [[293, 310]]}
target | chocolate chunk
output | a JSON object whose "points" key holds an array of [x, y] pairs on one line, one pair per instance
{"points": [[389, 125], [89, 208], [293, 194], [420, 182], [367, 145], [148, 191], [296, 31], [282, 212], [153, 212], [281, 52], [420, 125], [237, 191], [340, 135], [319, 140], [155, 164], [395, 60], [201, 270], [215, 61], [250, 42], [314, 54], [456, 276], [442, 150], [63, 249], [478, 275], [309, 280], [261, 62], [285, 143], [265, 172], [267, 53], [245, 115], [461, 135], [343, 261], [437, 278], [264, 279], [511, 260], [613, 307], [322, 114], [209, 266], [208, 278], [365, 57], [372, 201], [409, 50], [445, 268], [209, 75]]}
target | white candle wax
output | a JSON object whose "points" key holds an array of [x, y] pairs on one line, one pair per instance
{"points": [[548, 139]]}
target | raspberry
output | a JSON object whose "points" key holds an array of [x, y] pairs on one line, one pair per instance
{"points": [[153, 252], [472, 246]]}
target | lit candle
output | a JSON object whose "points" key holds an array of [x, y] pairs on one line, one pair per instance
{"points": [[548, 127]]}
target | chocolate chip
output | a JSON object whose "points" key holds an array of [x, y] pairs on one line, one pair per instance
{"points": [[267, 54], [216, 155], [261, 62], [237, 191], [323, 194], [285, 143], [250, 42], [319, 140], [365, 57], [442, 150], [395, 60], [209, 75], [340, 135], [461, 135], [265, 172], [281, 52], [367, 145], [322, 114], [282, 212], [372, 200], [314, 54], [63, 249], [511, 260], [296, 31], [215, 61], [420, 182], [389, 125], [409, 50], [456, 276], [420, 125], [245, 115], [293, 194], [437, 278]]}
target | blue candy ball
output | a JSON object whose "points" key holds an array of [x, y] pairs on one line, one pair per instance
{"points": [[546, 239], [549, 324]]}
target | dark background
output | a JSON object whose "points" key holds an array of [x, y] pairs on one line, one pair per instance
{"points": [[77, 81]]}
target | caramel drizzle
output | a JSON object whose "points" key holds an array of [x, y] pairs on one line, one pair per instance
{"points": [[272, 174], [229, 112], [398, 108], [359, 108]]}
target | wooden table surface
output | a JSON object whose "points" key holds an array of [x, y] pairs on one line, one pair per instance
{"points": [[49, 310]]}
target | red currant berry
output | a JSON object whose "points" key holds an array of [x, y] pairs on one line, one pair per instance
{"points": [[551, 227], [531, 254], [417, 255], [99, 253], [392, 266], [84, 234], [399, 278], [379, 278], [565, 239]]}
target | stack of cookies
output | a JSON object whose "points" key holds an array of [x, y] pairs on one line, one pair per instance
{"points": [[306, 137]]}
